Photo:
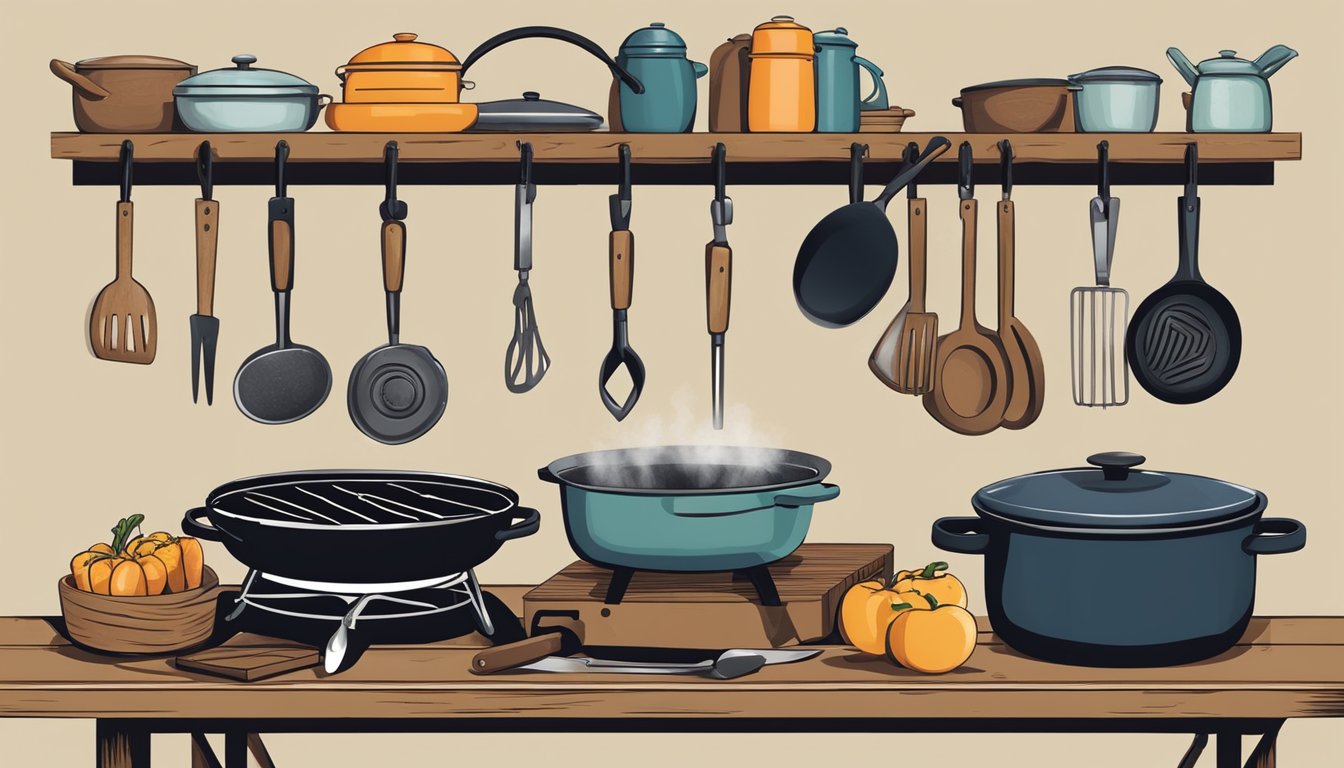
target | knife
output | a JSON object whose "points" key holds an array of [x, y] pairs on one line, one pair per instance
{"points": [[726, 666], [204, 326]]}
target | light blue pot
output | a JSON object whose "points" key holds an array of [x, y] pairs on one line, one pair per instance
{"points": [[243, 99]]}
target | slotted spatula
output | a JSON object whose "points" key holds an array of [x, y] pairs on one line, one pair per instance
{"points": [[122, 326]]}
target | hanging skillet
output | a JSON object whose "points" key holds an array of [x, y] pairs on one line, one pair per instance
{"points": [[398, 391], [1184, 341], [847, 262]]}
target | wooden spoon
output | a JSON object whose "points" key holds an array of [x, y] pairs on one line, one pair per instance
{"points": [[1026, 369], [970, 379]]}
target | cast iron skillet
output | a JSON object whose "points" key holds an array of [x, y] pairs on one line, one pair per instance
{"points": [[847, 262], [1184, 341]]}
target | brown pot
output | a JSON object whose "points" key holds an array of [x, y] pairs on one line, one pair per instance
{"points": [[167, 623], [1018, 106], [124, 94], [403, 71]]}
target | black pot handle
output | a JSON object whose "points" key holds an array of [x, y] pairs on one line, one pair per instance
{"points": [[1275, 536], [191, 524], [547, 475], [529, 525], [961, 535], [555, 33]]}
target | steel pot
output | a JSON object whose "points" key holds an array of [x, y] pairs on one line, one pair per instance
{"points": [[124, 94], [1231, 94], [688, 508], [243, 99], [1018, 106], [370, 528], [656, 56], [404, 71], [1071, 557], [1116, 99]]}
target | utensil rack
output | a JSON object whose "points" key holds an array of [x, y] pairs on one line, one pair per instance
{"points": [[466, 159]]}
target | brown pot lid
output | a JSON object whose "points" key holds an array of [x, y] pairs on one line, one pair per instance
{"points": [[406, 50], [133, 62]]}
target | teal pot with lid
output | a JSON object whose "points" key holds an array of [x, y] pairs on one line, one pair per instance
{"points": [[1113, 566], [837, 66], [1116, 100], [1230, 94], [656, 56], [247, 99], [688, 508]]}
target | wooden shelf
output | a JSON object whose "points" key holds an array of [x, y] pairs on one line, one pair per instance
{"points": [[681, 158]]}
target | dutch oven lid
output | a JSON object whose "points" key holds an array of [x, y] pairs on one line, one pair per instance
{"points": [[256, 82], [532, 110], [407, 53], [132, 62], [1112, 494], [1116, 74], [654, 40]]}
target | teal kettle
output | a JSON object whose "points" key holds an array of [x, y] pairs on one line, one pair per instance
{"points": [[837, 64], [656, 56], [1231, 94]]}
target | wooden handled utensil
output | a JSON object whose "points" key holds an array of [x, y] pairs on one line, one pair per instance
{"points": [[905, 354], [621, 264], [204, 325], [718, 281], [122, 325], [970, 377], [1026, 369]]}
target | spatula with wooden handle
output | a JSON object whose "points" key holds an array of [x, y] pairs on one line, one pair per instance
{"points": [[122, 326]]}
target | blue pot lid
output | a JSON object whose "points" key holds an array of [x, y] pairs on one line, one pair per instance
{"points": [[1227, 63], [243, 78], [837, 36], [1117, 74], [1113, 495], [653, 40]]}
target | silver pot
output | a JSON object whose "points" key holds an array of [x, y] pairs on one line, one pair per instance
{"points": [[1116, 99], [243, 99]]}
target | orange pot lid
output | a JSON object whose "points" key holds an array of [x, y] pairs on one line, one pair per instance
{"points": [[405, 49], [782, 35]]}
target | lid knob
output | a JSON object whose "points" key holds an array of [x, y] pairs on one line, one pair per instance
{"points": [[658, 24], [244, 60], [781, 18], [841, 31], [404, 37], [531, 96], [1228, 54], [1115, 465]]}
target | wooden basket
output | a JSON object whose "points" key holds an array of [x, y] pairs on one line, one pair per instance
{"points": [[883, 120], [164, 623]]}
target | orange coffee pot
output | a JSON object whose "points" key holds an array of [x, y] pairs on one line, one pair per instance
{"points": [[782, 90]]}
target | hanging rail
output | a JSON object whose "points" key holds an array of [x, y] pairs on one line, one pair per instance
{"points": [[586, 158]]}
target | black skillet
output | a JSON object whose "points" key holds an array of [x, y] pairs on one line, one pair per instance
{"points": [[847, 262], [1184, 341]]}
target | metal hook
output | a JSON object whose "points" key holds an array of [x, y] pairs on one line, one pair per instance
{"points": [[721, 208], [720, 160], [1006, 168], [624, 154], [965, 163], [392, 209], [525, 176], [857, 152], [1191, 164], [127, 161], [205, 170], [910, 156], [281, 157], [1104, 170]]}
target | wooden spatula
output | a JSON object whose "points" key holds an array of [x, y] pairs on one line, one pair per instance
{"points": [[123, 326]]}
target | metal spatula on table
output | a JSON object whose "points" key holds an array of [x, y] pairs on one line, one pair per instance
{"points": [[1099, 314], [123, 326]]}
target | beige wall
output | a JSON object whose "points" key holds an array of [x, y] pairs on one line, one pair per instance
{"points": [[85, 442]]}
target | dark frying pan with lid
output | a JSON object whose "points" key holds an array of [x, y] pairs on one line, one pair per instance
{"points": [[1184, 341], [847, 262]]}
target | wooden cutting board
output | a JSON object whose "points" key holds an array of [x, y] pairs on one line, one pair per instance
{"points": [[250, 657], [709, 610]]}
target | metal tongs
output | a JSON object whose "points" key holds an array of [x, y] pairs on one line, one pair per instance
{"points": [[718, 279], [526, 360], [621, 259]]}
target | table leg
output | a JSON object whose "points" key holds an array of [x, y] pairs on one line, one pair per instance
{"points": [[1229, 750], [121, 744], [259, 753], [1263, 756], [202, 756], [235, 750]]}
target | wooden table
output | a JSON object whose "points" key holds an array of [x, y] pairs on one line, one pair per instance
{"points": [[1284, 667]]}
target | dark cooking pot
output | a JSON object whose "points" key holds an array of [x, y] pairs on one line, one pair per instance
{"points": [[1118, 567], [361, 526], [688, 508]]}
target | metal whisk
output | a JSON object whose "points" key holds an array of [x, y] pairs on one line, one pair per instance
{"points": [[1099, 315], [525, 361]]}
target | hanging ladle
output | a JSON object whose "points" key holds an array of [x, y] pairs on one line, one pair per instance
{"points": [[621, 258]]}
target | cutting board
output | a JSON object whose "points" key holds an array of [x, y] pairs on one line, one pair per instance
{"points": [[249, 657], [709, 610]]}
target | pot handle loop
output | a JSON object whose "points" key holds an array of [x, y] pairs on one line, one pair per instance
{"points": [[1275, 536], [191, 524], [554, 33], [529, 525], [86, 87], [812, 494], [961, 535]]}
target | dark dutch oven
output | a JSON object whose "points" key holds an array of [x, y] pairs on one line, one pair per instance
{"points": [[1112, 566], [353, 526]]}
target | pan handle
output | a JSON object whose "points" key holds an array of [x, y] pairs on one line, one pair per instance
{"points": [[529, 525], [191, 524], [812, 494], [962, 535], [547, 475], [511, 655], [1275, 536]]}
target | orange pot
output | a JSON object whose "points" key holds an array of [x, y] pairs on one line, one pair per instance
{"points": [[782, 89], [403, 71]]}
